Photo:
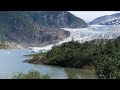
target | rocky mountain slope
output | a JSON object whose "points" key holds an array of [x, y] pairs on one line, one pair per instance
{"points": [[56, 19], [36, 28], [113, 19]]}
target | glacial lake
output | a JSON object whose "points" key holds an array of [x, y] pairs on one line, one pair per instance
{"points": [[11, 62]]}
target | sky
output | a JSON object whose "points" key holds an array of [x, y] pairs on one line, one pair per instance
{"points": [[91, 15]]}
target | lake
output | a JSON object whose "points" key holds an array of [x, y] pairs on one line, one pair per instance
{"points": [[11, 62]]}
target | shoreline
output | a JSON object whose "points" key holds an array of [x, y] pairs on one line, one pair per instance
{"points": [[42, 62], [45, 61]]}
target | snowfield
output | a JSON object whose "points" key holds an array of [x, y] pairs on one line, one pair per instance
{"points": [[86, 34]]}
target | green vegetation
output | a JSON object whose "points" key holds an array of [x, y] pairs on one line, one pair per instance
{"points": [[103, 57], [107, 61], [3, 45], [71, 54], [35, 57], [32, 74]]}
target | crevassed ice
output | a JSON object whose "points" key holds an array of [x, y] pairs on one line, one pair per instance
{"points": [[90, 33]]}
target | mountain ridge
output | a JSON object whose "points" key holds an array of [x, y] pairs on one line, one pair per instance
{"points": [[37, 28], [113, 19]]}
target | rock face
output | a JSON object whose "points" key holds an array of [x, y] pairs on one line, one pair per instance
{"points": [[45, 37], [113, 19], [4, 45], [36, 28], [57, 19]]}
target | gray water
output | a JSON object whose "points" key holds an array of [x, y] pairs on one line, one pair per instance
{"points": [[11, 62]]}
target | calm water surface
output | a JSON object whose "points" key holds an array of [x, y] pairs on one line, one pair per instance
{"points": [[11, 62]]}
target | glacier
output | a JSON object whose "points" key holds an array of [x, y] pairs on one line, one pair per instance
{"points": [[87, 34]]}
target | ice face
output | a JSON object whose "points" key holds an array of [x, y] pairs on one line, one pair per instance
{"points": [[90, 33], [94, 32]]}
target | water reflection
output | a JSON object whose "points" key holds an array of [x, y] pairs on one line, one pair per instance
{"points": [[75, 73]]}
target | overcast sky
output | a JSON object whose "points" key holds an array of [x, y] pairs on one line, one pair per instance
{"points": [[91, 15]]}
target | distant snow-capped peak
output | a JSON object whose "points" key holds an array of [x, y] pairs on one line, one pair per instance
{"points": [[113, 19]]}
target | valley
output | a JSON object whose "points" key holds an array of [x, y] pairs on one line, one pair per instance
{"points": [[81, 35], [58, 45], [36, 28]]}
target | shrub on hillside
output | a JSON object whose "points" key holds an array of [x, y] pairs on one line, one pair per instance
{"points": [[71, 54]]}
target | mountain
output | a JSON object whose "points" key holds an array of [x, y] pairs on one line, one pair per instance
{"points": [[36, 28], [56, 19], [113, 19]]}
